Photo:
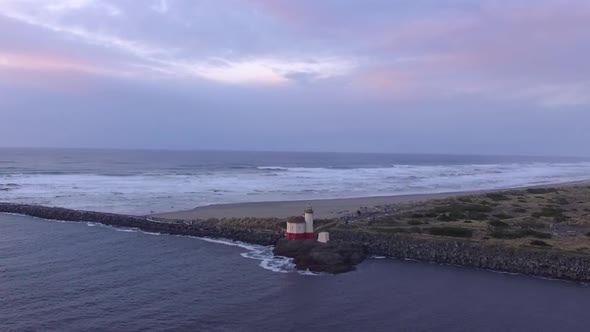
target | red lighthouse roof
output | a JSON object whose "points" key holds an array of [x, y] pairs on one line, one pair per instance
{"points": [[296, 220]]}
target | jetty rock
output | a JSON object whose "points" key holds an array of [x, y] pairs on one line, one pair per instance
{"points": [[331, 257]]}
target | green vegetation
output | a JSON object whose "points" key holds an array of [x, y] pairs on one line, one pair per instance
{"points": [[502, 233], [552, 212], [503, 216], [415, 222], [451, 231], [540, 243], [561, 201], [498, 223], [459, 208], [496, 197], [541, 190]]}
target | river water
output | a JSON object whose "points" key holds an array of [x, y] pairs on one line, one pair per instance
{"points": [[61, 276]]}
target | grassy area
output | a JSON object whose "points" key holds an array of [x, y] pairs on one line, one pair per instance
{"points": [[551, 218], [555, 218]]}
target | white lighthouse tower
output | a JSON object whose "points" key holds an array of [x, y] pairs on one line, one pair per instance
{"points": [[308, 215]]}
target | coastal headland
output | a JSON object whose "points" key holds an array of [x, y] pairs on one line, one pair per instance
{"points": [[542, 231]]}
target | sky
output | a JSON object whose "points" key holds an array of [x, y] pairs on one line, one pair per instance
{"points": [[411, 76]]}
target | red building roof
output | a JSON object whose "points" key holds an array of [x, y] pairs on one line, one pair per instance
{"points": [[296, 220]]}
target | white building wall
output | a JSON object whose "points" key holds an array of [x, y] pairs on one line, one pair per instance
{"points": [[309, 223], [323, 237], [298, 228]]}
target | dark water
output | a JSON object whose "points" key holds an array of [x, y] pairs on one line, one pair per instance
{"points": [[71, 277]]}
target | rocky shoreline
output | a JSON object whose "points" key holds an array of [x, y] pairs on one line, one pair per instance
{"points": [[529, 261]]}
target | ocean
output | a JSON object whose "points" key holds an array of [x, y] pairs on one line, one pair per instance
{"points": [[143, 182], [62, 276]]}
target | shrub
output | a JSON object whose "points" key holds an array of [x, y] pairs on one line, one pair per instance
{"points": [[540, 243], [451, 231], [467, 221], [446, 218], [477, 216], [532, 223], [496, 197], [505, 234], [500, 233], [415, 230], [519, 210], [562, 201], [417, 215], [415, 222], [538, 235], [552, 212], [498, 223], [503, 216], [541, 190], [465, 199], [461, 208]]}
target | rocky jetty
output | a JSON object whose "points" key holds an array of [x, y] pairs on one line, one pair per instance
{"points": [[331, 257], [543, 262], [178, 227], [349, 248]]}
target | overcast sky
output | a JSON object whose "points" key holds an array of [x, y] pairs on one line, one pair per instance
{"points": [[442, 76]]}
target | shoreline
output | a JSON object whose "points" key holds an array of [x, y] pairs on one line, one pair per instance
{"points": [[325, 208], [383, 234]]}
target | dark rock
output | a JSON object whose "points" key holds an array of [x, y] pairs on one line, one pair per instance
{"points": [[524, 260], [331, 257], [178, 227]]}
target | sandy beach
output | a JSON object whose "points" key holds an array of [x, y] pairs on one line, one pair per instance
{"points": [[324, 208]]}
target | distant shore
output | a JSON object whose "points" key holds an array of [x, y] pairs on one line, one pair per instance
{"points": [[324, 208]]}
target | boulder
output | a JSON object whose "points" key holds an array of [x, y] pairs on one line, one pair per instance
{"points": [[331, 257]]}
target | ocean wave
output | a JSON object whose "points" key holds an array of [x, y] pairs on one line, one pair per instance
{"points": [[272, 168], [264, 254], [141, 194]]}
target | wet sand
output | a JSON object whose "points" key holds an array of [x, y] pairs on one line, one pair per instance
{"points": [[323, 208]]}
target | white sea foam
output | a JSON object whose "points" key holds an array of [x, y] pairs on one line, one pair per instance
{"points": [[268, 260], [158, 192]]}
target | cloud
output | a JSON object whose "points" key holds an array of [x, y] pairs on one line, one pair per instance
{"points": [[158, 60], [160, 6]]}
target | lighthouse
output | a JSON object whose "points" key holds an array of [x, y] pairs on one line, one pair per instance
{"points": [[308, 216], [296, 228], [301, 228]]}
